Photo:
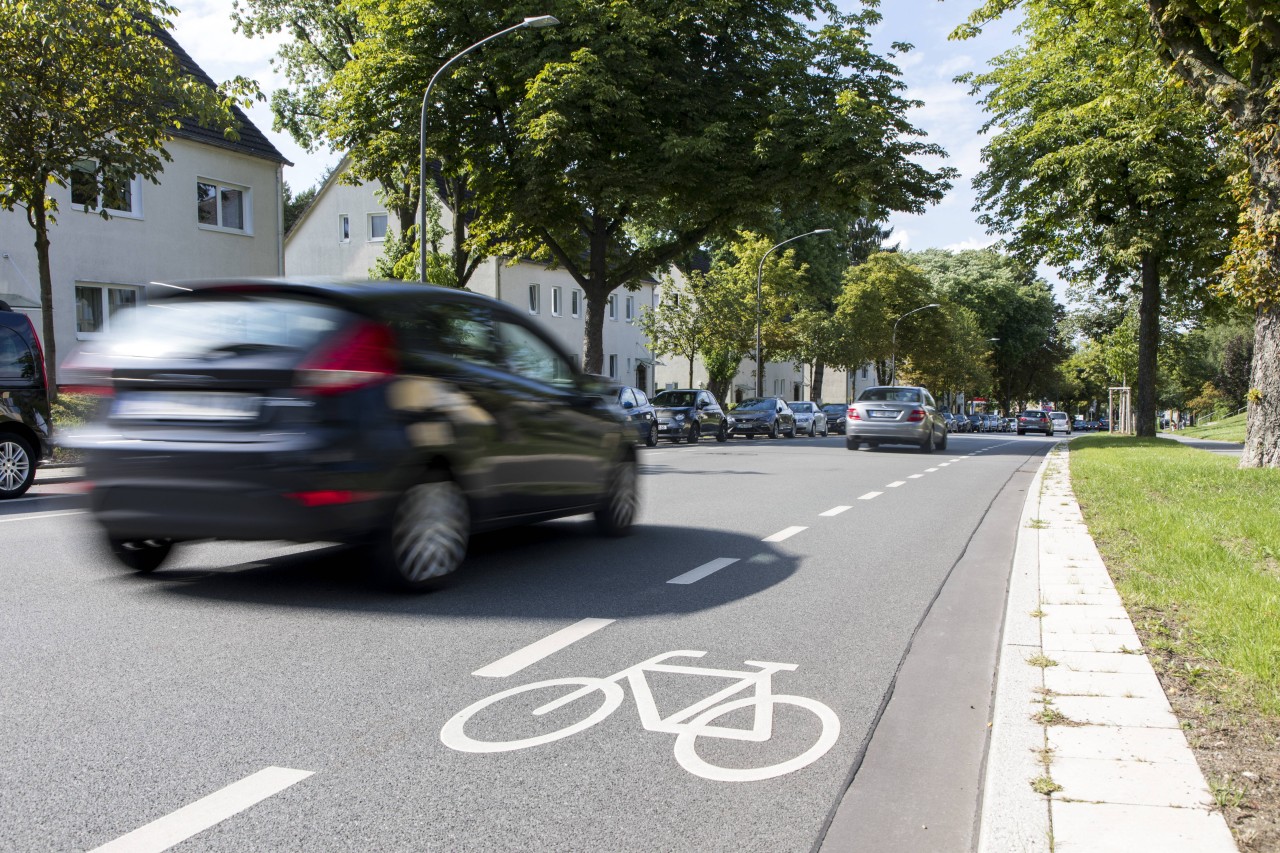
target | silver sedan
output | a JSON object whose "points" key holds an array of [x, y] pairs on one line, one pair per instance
{"points": [[897, 414]]}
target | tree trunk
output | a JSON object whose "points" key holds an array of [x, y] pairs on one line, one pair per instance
{"points": [[1262, 438], [690, 385], [40, 221], [815, 389], [597, 299], [1148, 346]]}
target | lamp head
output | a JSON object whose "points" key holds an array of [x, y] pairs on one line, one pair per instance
{"points": [[540, 22]]}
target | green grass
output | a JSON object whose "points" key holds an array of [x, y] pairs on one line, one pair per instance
{"points": [[1192, 536], [1227, 429]]}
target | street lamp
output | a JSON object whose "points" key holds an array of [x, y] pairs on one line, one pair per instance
{"points": [[528, 23], [759, 302], [893, 343]]}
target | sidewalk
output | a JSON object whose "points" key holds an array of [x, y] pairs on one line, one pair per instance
{"points": [[1085, 753], [1227, 448]]}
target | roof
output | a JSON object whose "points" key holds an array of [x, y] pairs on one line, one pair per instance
{"points": [[252, 141]]}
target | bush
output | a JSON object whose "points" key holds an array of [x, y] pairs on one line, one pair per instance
{"points": [[71, 410]]}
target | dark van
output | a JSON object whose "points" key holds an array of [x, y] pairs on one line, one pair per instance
{"points": [[25, 426]]}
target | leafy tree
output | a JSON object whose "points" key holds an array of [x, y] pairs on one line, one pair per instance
{"points": [[679, 325], [89, 82], [1103, 167]]}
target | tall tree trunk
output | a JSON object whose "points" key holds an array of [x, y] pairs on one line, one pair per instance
{"points": [[1148, 346], [690, 385], [39, 220], [1262, 437], [597, 299], [815, 391]]}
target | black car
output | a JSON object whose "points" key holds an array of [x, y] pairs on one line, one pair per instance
{"points": [[688, 414], [639, 411], [837, 415], [769, 416], [25, 424], [400, 416]]}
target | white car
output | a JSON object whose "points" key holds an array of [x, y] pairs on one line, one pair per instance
{"points": [[810, 419], [1061, 421]]}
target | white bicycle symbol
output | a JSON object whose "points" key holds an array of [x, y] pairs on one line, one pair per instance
{"points": [[687, 725]]}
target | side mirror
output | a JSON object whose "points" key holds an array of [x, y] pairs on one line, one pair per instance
{"points": [[628, 405], [779, 410], [702, 404]]}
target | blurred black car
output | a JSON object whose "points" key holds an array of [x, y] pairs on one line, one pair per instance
{"points": [[25, 423], [837, 416], [639, 411], [688, 414], [404, 416], [975, 423], [769, 416]]}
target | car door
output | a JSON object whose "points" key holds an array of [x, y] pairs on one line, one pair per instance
{"points": [[566, 438], [710, 415]]}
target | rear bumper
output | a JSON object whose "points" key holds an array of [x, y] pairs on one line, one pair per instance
{"points": [[906, 435]]}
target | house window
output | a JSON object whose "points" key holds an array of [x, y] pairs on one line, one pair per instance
{"points": [[533, 299], [864, 371], [630, 308], [575, 303], [223, 206], [377, 227], [96, 304], [675, 300], [613, 307], [344, 228], [613, 367], [113, 192], [555, 302]]}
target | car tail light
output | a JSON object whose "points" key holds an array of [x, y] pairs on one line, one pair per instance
{"points": [[363, 356], [85, 374], [916, 415], [330, 497], [853, 414]]}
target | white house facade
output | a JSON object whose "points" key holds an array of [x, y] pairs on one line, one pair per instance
{"points": [[216, 212]]}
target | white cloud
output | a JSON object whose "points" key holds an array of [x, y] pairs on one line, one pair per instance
{"points": [[972, 243]]}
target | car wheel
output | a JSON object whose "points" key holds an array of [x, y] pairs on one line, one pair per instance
{"points": [[773, 430], [141, 555], [826, 431], [651, 440], [1022, 432], [792, 432], [695, 433], [617, 510], [17, 466], [926, 446], [943, 445], [723, 435], [428, 536], [813, 431]]}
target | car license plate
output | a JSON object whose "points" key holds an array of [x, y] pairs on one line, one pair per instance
{"points": [[877, 413], [185, 406]]}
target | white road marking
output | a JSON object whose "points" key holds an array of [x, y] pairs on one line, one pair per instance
{"points": [[895, 484], [36, 516], [544, 648], [783, 534], [943, 464], [930, 470], [914, 476], [189, 820], [869, 495], [957, 459], [704, 570], [835, 511]]}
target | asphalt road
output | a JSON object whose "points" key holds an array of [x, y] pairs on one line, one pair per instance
{"points": [[126, 699]]}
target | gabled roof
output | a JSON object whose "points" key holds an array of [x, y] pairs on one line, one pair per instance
{"points": [[252, 141]]}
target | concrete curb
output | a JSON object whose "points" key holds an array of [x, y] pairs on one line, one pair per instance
{"points": [[1106, 742]]}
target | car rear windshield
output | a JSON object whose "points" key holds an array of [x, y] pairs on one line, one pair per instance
{"points": [[674, 398], [890, 395], [1031, 413], [203, 326]]}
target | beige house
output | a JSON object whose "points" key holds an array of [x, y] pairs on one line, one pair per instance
{"points": [[215, 213]]}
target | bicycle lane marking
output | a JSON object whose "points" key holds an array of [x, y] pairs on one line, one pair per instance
{"points": [[544, 648], [206, 812], [705, 569]]}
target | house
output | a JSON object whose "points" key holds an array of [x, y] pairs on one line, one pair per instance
{"points": [[216, 212]]}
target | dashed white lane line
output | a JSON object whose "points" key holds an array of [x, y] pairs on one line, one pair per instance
{"points": [[705, 569], [834, 511], [547, 646], [914, 476], [930, 470], [895, 484], [189, 820], [943, 464], [37, 516], [783, 534], [869, 495]]}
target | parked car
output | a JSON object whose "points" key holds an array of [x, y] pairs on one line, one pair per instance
{"points": [[402, 416], [769, 416], [690, 413], [897, 414], [1061, 421], [1034, 420], [25, 422], [837, 415], [975, 423], [810, 419], [640, 413]]}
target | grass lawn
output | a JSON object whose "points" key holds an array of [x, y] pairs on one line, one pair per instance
{"points": [[1227, 429]]}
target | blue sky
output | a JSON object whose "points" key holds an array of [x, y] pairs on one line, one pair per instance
{"points": [[950, 116]]}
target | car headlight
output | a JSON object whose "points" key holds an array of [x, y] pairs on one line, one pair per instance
{"points": [[678, 418]]}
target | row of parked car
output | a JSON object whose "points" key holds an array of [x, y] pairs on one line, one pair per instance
{"points": [[691, 414]]}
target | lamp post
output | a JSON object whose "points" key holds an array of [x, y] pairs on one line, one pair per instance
{"points": [[759, 303], [528, 23], [893, 343]]}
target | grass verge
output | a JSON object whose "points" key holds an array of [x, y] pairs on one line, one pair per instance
{"points": [[1227, 429]]}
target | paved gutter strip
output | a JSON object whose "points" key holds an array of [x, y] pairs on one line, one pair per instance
{"points": [[1128, 779]]}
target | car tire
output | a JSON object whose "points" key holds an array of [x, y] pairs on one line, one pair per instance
{"points": [[695, 433], [141, 555], [813, 431], [723, 435], [651, 440], [926, 446], [792, 432], [17, 466], [773, 430], [1022, 432], [617, 510], [428, 535], [943, 445], [826, 431]]}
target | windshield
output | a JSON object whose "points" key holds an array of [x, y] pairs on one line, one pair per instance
{"points": [[890, 395], [756, 405], [801, 407], [834, 409], [674, 399]]}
